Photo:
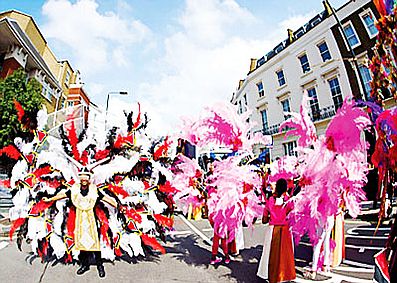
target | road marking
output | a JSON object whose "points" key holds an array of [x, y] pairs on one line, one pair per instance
{"points": [[3, 244], [177, 233], [195, 230], [367, 237], [368, 269], [359, 264], [357, 222], [351, 230], [364, 247]]}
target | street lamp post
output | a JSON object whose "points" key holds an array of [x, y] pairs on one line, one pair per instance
{"points": [[350, 49], [107, 102]]}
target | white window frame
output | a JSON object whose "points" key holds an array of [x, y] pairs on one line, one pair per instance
{"points": [[340, 94], [349, 23], [261, 93], [67, 77], [267, 119], [366, 83], [308, 63], [321, 54], [312, 103], [278, 79], [371, 14], [287, 151], [286, 116]]}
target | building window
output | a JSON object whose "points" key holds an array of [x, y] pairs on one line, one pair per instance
{"points": [[304, 63], [368, 20], [367, 78], [70, 103], [46, 91], [240, 107], [324, 52], [289, 148], [286, 108], [336, 93], [351, 35], [261, 91], [265, 123], [67, 78], [280, 77], [314, 106]]}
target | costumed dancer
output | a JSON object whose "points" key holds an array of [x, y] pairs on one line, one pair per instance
{"points": [[332, 171], [277, 262], [41, 178], [392, 245], [233, 197], [84, 196]]}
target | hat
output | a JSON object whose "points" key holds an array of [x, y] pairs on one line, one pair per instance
{"points": [[84, 172]]}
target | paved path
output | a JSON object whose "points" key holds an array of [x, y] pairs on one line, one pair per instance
{"points": [[186, 260]]}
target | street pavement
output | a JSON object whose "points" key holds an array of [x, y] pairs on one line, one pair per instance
{"points": [[188, 255]]}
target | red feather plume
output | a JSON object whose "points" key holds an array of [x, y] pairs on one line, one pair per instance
{"points": [[164, 221], [118, 190], [20, 110], [167, 188], [42, 171], [131, 213], [162, 149], [15, 225], [11, 151], [138, 118], [152, 242], [104, 224], [5, 183], [101, 154], [73, 141], [39, 207]]}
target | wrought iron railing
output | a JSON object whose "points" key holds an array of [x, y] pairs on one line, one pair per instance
{"points": [[321, 114]]}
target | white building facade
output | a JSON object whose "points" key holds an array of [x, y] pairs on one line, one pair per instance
{"points": [[309, 60]]}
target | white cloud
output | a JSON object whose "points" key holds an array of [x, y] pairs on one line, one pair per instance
{"points": [[198, 62], [205, 59], [296, 21], [90, 35], [207, 21]]}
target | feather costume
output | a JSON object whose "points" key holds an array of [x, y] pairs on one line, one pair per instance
{"points": [[46, 171]]}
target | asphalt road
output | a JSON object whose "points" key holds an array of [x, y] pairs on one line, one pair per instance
{"points": [[187, 259]]}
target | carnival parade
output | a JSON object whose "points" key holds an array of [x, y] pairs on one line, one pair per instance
{"points": [[236, 191]]}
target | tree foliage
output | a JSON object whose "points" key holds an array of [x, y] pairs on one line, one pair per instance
{"points": [[28, 93]]}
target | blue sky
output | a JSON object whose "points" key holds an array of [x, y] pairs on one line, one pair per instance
{"points": [[175, 57]]}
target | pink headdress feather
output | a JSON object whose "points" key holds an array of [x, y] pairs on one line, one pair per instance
{"points": [[302, 125]]}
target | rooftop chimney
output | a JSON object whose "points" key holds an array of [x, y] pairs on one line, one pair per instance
{"points": [[327, 7], [253, 64], [240, 84], [291, 36]]}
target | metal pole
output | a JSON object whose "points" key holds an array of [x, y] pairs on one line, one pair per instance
{"points": [[107, 103], [350, 49]]}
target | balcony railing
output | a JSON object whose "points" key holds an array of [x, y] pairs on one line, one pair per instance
{"points": [[321, 114]]}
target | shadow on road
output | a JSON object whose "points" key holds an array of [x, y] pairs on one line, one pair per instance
{"points": [[186, 249]]}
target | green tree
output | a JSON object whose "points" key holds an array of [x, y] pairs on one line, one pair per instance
{"points": [[28, 93]]}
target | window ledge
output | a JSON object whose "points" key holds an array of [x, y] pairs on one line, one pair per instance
{"points": [[326, 63], [261, 102], [307, 73], [282, 87]]}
